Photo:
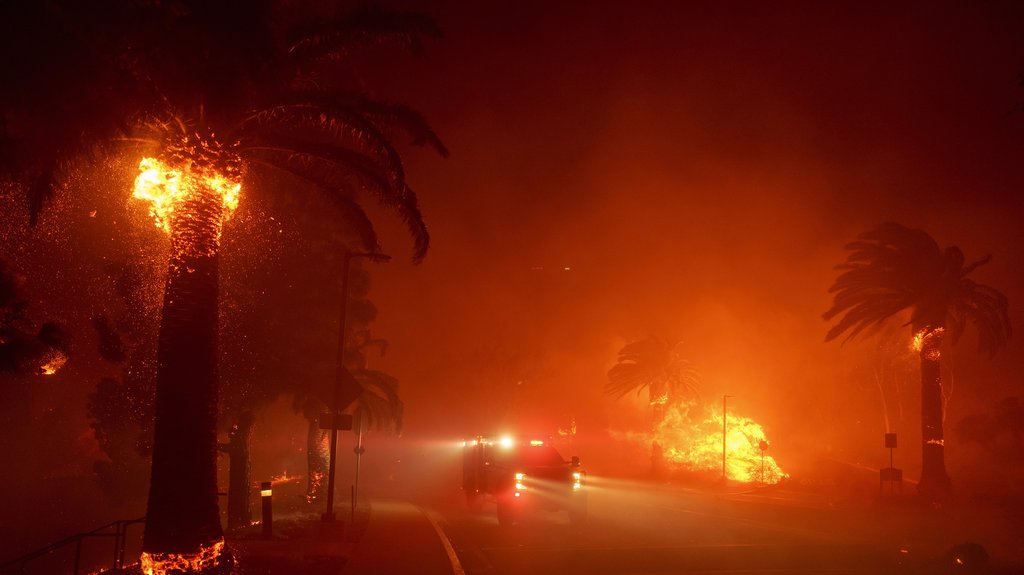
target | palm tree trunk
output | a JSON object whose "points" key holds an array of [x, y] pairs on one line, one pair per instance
{"points": [[316, 460], [183, 517], [935, 481]]}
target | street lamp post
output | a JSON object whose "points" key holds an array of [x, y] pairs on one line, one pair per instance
{"points": [[346, 260]]}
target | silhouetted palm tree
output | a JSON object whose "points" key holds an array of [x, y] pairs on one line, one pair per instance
{"points": [[892, 269], [655, 365], [218, 93], [379, 406]]}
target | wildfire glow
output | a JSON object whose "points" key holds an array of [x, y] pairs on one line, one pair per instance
{"points": [[284, 478], [165, 187], [691, 438], [167, 563], [316, 481], [52, 362], [930, 339]]}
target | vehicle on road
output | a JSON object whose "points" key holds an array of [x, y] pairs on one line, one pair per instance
{"points": [[518, 474]]}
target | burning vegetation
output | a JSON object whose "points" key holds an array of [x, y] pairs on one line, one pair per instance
{"points": [[207, 558], [198, 180], [691, 437]]}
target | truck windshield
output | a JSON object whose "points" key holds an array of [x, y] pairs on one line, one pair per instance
{"points": [[535, 455]]}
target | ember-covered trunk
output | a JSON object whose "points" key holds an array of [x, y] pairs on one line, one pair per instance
{"points": [[935, 481], [183, 517]]}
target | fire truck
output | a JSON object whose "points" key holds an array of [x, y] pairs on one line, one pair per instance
{"points": [[517, 474]]}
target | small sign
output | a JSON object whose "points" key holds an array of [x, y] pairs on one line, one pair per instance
{"points": [[890, 440], [342, 421]]}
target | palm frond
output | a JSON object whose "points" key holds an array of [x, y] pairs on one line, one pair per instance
{"points": [[656, 366], [892, 268], [315, 123], [351, 214], [379, 406]]}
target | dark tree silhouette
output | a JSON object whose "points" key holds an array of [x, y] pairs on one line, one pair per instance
{"points": [[1000, 430], [655, 365], [217, 93], [23, 349], [893, 269]]}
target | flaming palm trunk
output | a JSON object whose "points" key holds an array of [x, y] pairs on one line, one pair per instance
{"points": [[934, 479], [182, 514], [191, 199]]}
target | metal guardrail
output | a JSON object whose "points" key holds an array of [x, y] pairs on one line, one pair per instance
{"points": [[117, 530]]}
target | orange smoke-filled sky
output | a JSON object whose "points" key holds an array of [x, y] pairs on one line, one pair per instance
{"points": [[698, 167]]}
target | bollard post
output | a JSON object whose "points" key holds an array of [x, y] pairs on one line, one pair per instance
{"points": [[267, 497]]}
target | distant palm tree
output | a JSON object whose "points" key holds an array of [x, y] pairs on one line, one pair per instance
{"points": [[655, 365], [892, 269], [217, 93], [379, 406]]}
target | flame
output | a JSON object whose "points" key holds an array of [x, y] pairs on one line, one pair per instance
{"points": [[691, 439], [165, 187], [165, 563], [928, 339], [918, 341], [284, 478], [52, 362]]}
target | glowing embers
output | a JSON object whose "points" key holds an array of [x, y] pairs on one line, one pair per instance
{"points": [[52, 361], [166, 563], [928, 340], [285, 478], [316, 485], [691, 439], [165, 187]]}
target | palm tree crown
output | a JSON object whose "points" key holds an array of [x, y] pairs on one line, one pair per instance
{"points": [[892, 268], [655, 365]]}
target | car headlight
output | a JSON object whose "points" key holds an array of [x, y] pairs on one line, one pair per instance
{"points": [[577, 480]]}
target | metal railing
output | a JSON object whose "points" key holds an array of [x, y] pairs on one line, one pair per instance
{"points": [[117, 530]]}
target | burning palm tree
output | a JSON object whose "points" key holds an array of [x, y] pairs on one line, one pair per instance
{"points": [[220, 97], [892, 269], [655, 365]]}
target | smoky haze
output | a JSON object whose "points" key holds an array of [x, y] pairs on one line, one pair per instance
{"points": [[694, 172], [620, 170]]}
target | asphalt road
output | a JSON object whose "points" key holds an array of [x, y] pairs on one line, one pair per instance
{"points": [[638, 527]]}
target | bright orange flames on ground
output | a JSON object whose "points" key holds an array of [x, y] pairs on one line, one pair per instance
{"points": [[284, 478], [691, 437], [165, 187], [167, 563]]}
